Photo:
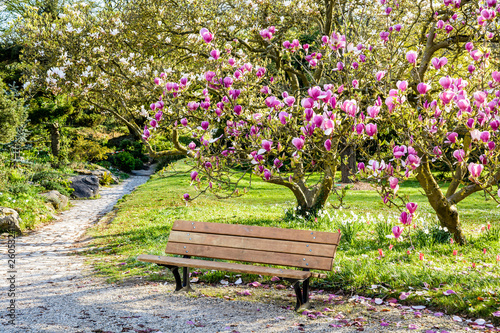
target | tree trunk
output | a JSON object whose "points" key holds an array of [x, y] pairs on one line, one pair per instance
{"points": [[55, 138], [346, 169], [447, 212]]}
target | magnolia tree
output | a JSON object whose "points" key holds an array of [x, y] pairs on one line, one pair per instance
{"points": [[436, 89], [105, 55], [238, 121], [450, 115]]}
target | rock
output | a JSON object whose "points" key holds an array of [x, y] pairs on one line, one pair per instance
{"points": [[9, 220], [85, 186], [100, 172], [56, 199]]}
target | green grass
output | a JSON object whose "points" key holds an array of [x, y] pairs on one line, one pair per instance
{"points": [[144, 219]]}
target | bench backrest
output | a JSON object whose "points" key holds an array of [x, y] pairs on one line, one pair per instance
{"points": [[265, 245]]}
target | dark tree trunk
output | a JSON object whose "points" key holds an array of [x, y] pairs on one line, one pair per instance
{"points": [[347, 169], [446, 211], [55, 138]]}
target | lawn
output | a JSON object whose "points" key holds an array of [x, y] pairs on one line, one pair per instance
{"points": [[419, 275]]}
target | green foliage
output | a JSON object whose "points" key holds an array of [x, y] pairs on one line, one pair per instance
{"points": [[106, 179], [124, 161], [12, 113], [382, 230], [88, 150]]}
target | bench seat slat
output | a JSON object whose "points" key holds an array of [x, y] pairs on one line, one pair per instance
{"points": [[262, 257], [230, 267], [258, 232], [251, 243]]}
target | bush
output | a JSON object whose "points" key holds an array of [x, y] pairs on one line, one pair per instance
{"points": [[88, 150], [20, 188], [124, 161], [134, 148]]}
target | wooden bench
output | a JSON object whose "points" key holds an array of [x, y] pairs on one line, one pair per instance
{"points": [[272, 246]]}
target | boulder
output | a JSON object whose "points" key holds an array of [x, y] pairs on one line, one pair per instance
{"points": [[56, 199], [9, 220], [85, 186], [100, 172]]}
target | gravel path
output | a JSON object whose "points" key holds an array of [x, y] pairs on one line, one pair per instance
{"points": [[56, 292]]}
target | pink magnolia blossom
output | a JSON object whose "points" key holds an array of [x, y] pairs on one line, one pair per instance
{"points": [[373, 111], [475, 169], [496, 76], [192, 145], [282, 116], [463, 104], [237, 109], [215, 54], [267, 145], [328, 144], [397, 231], [184, 122], [402, 85], [384, 35], [277, 163], [380, 75], [495, 124], [298, 143], [360, 128], [194, 175], [423, 88], [475, 134], [399, 151], [459, 155], [446, 96], [439, 62], [204, 125], [485, 136], [186, 196], [350, 107], [146, 134], [371, 129], [318, 120], [206, 35], [445, 82], [412, 161], [393, 183], [361, 167], [289, 101], [452, 137], [411, 56], [412, 207], [405, 218]]}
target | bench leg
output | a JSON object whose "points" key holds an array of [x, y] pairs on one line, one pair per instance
{"points": [[302, 295], [180, 286]]}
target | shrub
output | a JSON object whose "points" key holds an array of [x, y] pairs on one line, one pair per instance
{"points": [[106, 179], [19, 188], [124, 161], [88, 150]]}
